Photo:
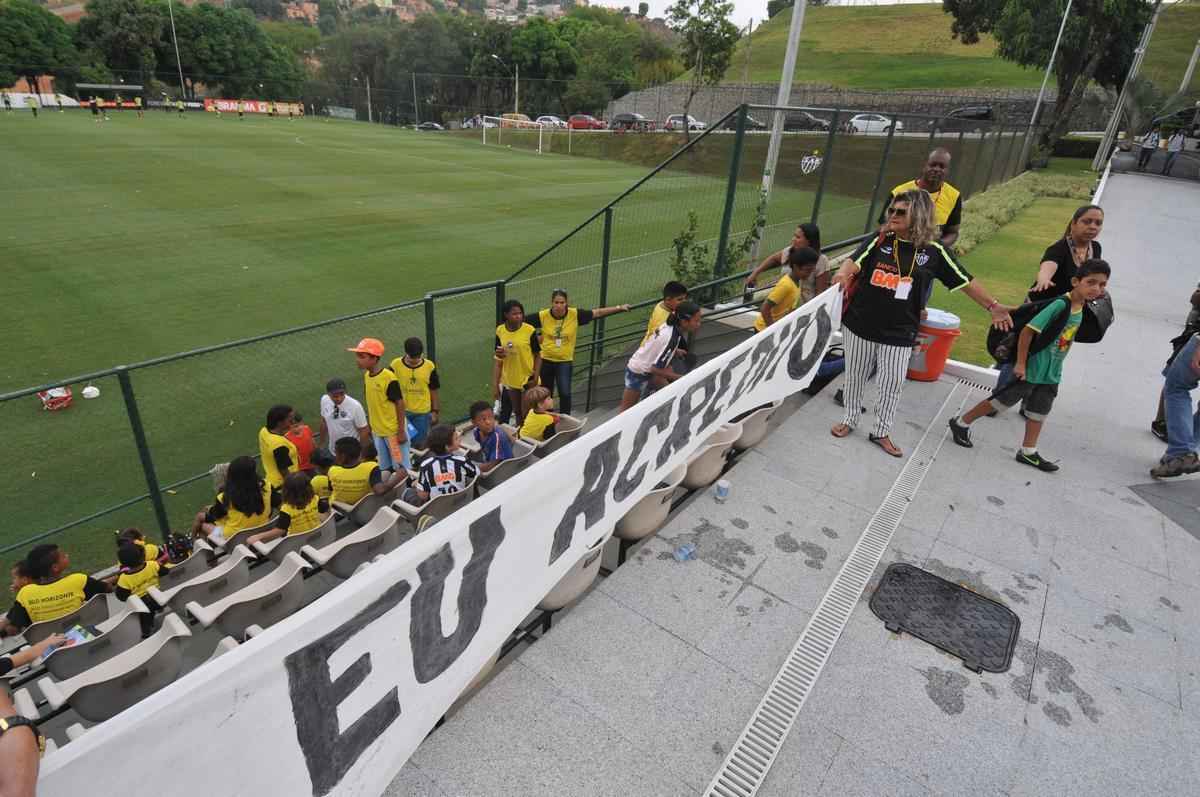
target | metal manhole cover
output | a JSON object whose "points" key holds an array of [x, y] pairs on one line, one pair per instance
{"points": [[978, 630]]}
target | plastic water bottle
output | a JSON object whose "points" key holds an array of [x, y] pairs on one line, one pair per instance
{"points": [[685, 552], [496, 407], [721, 491]]}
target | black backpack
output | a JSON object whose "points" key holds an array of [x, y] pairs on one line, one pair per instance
{"points": [[1097, 318]]}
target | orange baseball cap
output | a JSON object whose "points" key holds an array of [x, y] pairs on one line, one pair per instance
{"points": [[371, 346]]}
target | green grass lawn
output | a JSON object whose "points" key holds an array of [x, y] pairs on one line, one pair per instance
{"points": [[878, 47], [1006, 265], [1171, 47]]}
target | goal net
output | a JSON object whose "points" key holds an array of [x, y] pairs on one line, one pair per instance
{"points": [[505, 131]]}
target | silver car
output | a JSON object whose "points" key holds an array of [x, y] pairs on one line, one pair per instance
{"points": [[675, 122], [872, 123]]}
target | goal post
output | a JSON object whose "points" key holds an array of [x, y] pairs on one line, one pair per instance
{"points": [[520, 133]]}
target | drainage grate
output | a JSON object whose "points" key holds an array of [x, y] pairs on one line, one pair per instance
{"points": [[746, 766]]}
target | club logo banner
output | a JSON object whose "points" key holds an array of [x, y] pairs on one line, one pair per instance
{"points": [[333, 700], [253, 106]]}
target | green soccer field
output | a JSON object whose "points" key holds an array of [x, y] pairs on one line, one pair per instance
{"points": [[141, 238]]}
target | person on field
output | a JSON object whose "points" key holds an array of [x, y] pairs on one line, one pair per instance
{"points": [[806, 235], [518, 359], [419, 382], [385, 406], [559, 325], [341, 416], [34, 104], [7, 102]]}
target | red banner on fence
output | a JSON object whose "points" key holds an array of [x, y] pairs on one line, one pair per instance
{"points": [[253, 106]]}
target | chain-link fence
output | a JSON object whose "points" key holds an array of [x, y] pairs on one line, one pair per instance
{"points": [[142, 455]]}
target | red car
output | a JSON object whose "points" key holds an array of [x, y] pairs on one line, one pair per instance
{"points": [[582, 121]]}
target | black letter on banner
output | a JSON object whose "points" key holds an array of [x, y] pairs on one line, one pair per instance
{"points": [[432, 651], [598, 473], [711, 410], [315, 698], [658, 418], [799, 364], [682, 432], [759, 357]]}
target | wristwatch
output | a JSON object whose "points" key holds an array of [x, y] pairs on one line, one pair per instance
{"points": [[16, 721]]}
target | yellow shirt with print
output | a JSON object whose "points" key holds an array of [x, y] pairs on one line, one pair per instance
{"points": [[380, 412], [236, 520], [320, 486], [536, 424], [658, 317], [783, 300], [414, 384], [44, 602], [268, 441], [139, 583], [304, 518], [351, 485], [518, 361], [944, 200], [559, 335]]}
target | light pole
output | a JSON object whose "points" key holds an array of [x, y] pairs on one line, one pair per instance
{"points": [[516, 81], [368, 79], [1037, 106], [175, 41]]}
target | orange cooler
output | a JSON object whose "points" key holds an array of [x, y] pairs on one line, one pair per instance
{"points": [[935, 338]]}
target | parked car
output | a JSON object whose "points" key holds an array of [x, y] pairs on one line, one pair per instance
{"points": [[583, 121], [803, 120], [430, 126], [872, 123], [551, 121], [675, 122], [751, 123], [631, 121], [971, 118], [515, 120]]}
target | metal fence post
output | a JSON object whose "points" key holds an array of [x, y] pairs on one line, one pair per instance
{"points": [[1004, 173], [833, 126], [598, 327], [139, 437], [958, 147], [887, 151], [500, 298], [430, 329], [735, 165]]}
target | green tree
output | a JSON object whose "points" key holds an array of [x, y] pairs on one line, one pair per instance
{"points": [[706, 42], [775, 6], [263, 9], [126, 34], [655, 59], [295, 37], [33, 42], [1097, 44]]}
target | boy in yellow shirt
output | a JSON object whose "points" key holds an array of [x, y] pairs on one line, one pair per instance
{"points": [[518, 361], [790, 291], [385, 406], [539, 420], [419, 383], [674, 293]]}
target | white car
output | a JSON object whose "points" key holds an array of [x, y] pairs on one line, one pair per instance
{"points": [[675, 122], [551, 121], [872, 123]]}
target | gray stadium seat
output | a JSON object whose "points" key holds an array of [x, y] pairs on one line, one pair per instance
{"points": [[647, 515], [214, 584], [362, 512], [567, 429], [522, 458], [276, 550], [382, 535], [113, 686], [704, 466], [264, 603], [201, 558], [240, 537], [117, 635], [754, 426], [93, 612], [437, 507], [577, 579]]}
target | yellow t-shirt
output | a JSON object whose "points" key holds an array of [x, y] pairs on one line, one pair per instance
{"points": [[415, 384], [536, 424], [267, 443], [351, 484], [304, 518], [320, 485], [559, 335], [944, 200], [139, 583], [235, 519], [381, 413], [518, 364], [658, 317], [783, 299], [50, 601]]}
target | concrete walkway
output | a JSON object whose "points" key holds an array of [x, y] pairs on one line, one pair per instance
{"points": [[645, 684]]}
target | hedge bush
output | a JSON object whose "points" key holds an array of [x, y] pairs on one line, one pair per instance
{"points": [[1076, 147], [984, 214]]}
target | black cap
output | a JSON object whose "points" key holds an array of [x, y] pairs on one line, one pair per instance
{"points": [[334, 385]]}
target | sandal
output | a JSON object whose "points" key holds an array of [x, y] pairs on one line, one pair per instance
{"points": [[841, 430], [886, 444]]}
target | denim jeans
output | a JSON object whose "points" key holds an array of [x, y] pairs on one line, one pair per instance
{"points": [[420, 422], [557, 375], [1005, 377], [1183, 419]]}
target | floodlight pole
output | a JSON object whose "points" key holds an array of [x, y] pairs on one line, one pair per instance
{"points": [[416, 109], [1114, 122], [175, 41], [783, 97], [1191, 69], [1037, 106]]}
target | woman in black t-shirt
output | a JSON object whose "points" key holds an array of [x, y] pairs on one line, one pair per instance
{"points": [[1077, 246], [891, 273]]}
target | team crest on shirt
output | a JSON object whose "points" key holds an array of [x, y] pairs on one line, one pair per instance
{"points": [[922, 257], [887, 250], [810, 163]]}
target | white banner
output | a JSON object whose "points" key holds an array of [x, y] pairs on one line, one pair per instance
{"points": [[333, 700]]}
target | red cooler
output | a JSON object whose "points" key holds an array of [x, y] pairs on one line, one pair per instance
{"points": [[935, 338]]}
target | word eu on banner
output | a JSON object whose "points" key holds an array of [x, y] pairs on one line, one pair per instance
{"points": [[333, 700]]}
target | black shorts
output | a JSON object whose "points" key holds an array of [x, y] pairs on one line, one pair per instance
{"points": [[1038, 398]]}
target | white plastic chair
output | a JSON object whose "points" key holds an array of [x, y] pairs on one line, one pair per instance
{"points": [[201, 558], [92, 612], [382, 535], [566, 430], [277, 549], [437, 507], [706, 464], [754, 426], [521, 459], [264, 603], [239, 537], [363, 510], [117, 635], [113, 686], [577, 579], [214, 584], [649, 514]]}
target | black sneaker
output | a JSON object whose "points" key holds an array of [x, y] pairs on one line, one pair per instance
{"points": [[1159, 430], [838, 398], [962, 434], [1037, 461]]}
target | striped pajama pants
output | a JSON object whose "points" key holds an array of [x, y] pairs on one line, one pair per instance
{"points": [[890, 363]]}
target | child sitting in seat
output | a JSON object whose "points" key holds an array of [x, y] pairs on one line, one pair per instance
{"points": [[539, 420], [134, 536], [354, 476], [138, 575], [495, 445], [302, 510], [322, 461], [19, 576], [444, 471], [245, 502], [52, 592]]}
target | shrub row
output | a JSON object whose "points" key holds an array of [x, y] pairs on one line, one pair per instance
{"points": [[984, 214]]}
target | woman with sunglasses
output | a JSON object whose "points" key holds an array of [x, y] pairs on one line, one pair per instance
{"points": [[887, 280], [560, 325]]}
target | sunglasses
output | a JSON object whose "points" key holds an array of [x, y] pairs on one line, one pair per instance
{"points": [[337, 411], [897, 211]]}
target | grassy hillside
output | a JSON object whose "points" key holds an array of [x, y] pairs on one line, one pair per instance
{"points": [[1169, 51], [878, 47]]}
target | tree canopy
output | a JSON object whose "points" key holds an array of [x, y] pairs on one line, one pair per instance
{"points": [[34, 42]]}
